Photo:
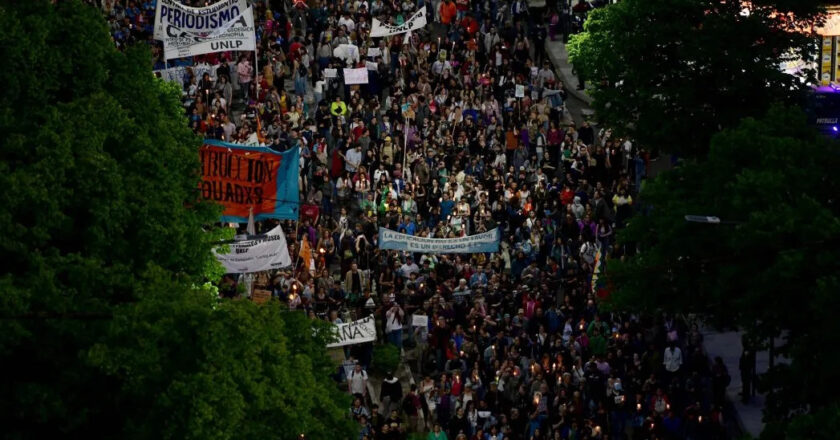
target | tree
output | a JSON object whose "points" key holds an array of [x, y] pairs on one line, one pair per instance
{"points": [[772, 273], [671, 73], [107, 329], [189, 368]]}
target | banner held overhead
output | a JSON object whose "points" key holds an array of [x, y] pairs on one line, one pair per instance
{"points": [[257, 253], [237, 34], [356, 76], [174, 19], [417, 21], [240, 177], [484, 242], [356, 332]]}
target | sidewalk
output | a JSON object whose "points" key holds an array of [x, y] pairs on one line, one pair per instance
{"points": [[578, 104], [559, 56], [403, 373], [728, 346]]}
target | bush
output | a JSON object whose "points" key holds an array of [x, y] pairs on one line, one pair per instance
{"points": [[386, 358]]}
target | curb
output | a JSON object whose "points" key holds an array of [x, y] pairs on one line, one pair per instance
{"points": [[558, 55]]}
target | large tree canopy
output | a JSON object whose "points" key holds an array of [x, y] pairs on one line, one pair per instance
{"points": [[107, 330], [670, 73], [773, 271]]}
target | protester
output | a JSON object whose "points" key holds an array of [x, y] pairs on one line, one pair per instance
{"points": [[460, 129]]}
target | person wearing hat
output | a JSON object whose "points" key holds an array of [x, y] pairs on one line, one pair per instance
{"points": [[387, 150]]}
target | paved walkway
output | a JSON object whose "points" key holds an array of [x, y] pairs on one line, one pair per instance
{"points": [[578, 104], [558, 55], [727, 345]]}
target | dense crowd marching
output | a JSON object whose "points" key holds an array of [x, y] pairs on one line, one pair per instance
{"points": [[442, 143]]}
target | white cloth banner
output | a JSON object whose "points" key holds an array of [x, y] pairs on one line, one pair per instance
{"points": [[417, 21], [172, 19], [356, 332], [347, 52], [263, 252], [239, 36], [356, 76]]}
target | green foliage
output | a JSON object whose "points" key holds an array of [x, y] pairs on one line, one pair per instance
{"points": [[823, 424], [386, 357], [671, 73], [773, 274], [109, 329], [192, 368]]}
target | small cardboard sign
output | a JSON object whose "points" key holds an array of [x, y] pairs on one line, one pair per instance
{"points": [[419, 321]]}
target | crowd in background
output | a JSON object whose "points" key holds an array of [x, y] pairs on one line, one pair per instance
{"points": [[462, 128]]}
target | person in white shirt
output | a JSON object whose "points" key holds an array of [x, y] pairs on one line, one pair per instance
{"points": [[439, 66], [408, 268], [353, 158], [672, 359], [345, 20], [545, 75], [394, 324], [380, 172], [357, 382]]}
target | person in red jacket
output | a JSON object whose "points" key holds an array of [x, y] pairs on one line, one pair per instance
{"points": [[567, 195], [469, 23], [462, 6], [448, 11]]}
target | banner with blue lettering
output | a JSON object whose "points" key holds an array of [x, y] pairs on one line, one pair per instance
{"points": [[241, 177], [471, 244]]}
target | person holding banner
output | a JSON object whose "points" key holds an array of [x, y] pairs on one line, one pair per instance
{"points": [[471, 162]]}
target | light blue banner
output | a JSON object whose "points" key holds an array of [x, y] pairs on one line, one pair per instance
{"points": [[472, 244]]}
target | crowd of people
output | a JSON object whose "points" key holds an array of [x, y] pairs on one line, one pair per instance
{"points": [[461, 128]]}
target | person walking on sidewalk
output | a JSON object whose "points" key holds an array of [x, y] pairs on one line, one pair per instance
{"points": [[746, 365], [411, 405], [391, 393], [357, 382], [720, 380]]}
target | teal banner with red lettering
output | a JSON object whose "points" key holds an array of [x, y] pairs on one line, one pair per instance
{"points": [[241, 177]]}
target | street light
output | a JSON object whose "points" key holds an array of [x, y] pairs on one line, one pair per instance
{"points": [[709, 220], [702, 219]]}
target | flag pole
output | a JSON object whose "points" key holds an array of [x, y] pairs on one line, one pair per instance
{"points": [[298, 247], [256, 71], [405, 148]]}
